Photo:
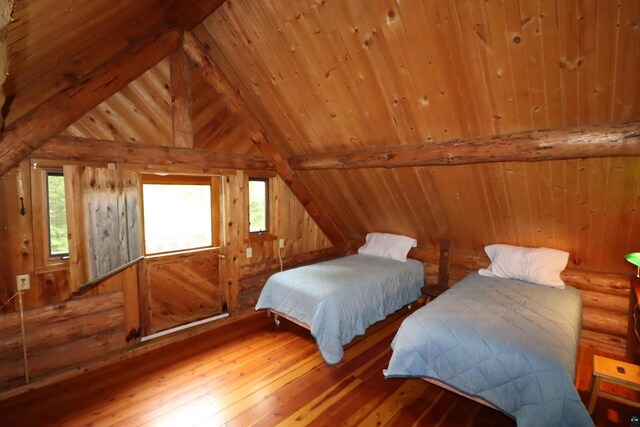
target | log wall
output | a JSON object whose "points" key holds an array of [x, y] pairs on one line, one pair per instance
{"points": [[60, 336]]}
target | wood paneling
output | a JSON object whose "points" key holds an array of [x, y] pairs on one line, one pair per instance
{"points": [[292, 223], [252, 374], [586, 207], [53, 44], [181, 288], [64, 108], [140, 112], [324, 77], [60, 336], [349, 75]]}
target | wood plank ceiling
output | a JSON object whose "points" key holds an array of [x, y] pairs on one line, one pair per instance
{"points": [[328, 76]]}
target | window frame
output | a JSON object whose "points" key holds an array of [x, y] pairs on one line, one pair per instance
{"points": [[47, 173], [267, 207], [44, 262], [269, 234], [214, 187]]}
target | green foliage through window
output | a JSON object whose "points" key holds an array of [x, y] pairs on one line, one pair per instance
{"points": [[58, 242], [258, 205]]}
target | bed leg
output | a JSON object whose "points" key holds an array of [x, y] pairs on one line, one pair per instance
{"points": [[268, 313], [276, 320]]}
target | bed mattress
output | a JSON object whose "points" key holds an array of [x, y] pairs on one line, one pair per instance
{"points": [[340, 298], [510, 343]]}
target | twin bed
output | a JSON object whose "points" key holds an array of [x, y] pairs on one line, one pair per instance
{"points": [[506, 343]]}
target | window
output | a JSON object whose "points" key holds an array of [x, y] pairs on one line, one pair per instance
{"points": [[56, 214], [258, 205], [179, 213]]}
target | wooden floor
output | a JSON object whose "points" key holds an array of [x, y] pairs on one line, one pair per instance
{"points": [[255, 374]]}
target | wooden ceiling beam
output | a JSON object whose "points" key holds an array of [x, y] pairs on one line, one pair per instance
{"points": [[181, 99], [91, 150], [610, 140], [61, 110], [187, 14], [214, 76]]}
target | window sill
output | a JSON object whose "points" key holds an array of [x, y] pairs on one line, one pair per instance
{"points": [[260, 237], [52, 267]]}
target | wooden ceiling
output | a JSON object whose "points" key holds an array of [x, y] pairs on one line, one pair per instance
{"points": [[328, 76], [344, 75]]}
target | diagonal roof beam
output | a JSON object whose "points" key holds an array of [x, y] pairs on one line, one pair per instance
{"points": [[187, 14], [213, 75], [63, 109], [609, 140]]}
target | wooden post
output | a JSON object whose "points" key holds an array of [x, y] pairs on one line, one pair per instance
{"points": [[445, 263], [181, 99]]}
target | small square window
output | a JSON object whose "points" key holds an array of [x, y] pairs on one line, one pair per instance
{"points": [[258, 205], [57, 215]]}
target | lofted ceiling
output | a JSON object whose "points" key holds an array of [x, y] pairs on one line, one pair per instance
{"points": [[331, 76], [326, 76]]}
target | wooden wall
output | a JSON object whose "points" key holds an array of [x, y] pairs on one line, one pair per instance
{"points": [[586, 207]]}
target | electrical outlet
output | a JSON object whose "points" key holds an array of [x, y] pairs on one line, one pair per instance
{"points": [[23, 282], [249, 252], [281, 243]]}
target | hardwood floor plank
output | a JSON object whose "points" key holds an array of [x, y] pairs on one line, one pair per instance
{"points": [[252, 373]]}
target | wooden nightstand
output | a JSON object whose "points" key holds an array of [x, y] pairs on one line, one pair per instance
{"points": [[615, 372]]}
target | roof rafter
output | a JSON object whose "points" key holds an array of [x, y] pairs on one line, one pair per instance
{"points": [[214, 76], [61, 110]]}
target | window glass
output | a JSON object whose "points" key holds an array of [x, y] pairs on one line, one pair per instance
{"points": [[258, 205], [57, 212], [176, 217]]}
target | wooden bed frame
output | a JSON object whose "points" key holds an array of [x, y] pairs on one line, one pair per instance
{"points": [[277, 315], [447, 387], [276, 320]]}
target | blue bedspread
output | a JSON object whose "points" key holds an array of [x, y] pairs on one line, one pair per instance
{"points": [[511, 343], [340, 298]]}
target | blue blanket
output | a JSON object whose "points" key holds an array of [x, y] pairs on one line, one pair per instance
{"points": [[340, 298], [511, 343]]}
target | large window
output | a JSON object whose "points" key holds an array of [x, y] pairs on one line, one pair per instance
{"points": [[56, 214], [179, 213], [258, 205]]}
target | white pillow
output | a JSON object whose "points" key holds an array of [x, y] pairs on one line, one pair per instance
{"points": [[536, 265], [388, 245]]}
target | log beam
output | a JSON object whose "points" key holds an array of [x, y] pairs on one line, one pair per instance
{"points": [[187, 14], [610, 140], [90, 150], [216, 79], [61, 110], [181, 100]]}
